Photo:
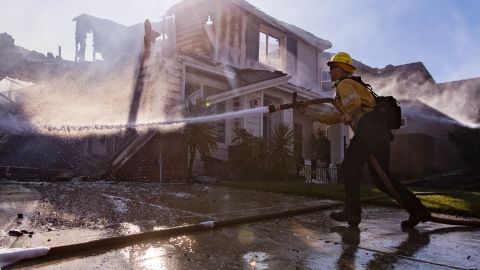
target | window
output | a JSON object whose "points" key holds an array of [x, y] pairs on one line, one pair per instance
{"points": [[192, 91], [221, 124], [269, 50], [217, 109], [325, 81]]}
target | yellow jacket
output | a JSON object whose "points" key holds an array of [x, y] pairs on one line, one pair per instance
{"points": [[352, 99]]}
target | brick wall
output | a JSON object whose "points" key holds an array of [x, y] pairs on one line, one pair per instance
{"points": [[412, 155], [144, 165]]}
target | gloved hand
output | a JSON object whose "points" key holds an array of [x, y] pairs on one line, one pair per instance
{"points": [[301, 109], [346, 119]]}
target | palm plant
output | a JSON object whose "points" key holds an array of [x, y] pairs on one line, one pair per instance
{"points": [[252, 151], [280, 150], [201, 136]]}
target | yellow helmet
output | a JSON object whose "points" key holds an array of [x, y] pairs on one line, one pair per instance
{"points": [[343, 60]]}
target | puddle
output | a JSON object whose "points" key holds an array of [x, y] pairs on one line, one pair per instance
{"points": [[256, 260]]}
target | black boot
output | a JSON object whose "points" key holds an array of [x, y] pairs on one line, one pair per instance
{"points": [[351, 219], [416, 218]]}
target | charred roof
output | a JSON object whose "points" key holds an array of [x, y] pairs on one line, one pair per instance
{"points": [[299, 33]]}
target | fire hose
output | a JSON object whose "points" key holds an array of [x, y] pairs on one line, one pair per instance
{"points": [[437, 218]]}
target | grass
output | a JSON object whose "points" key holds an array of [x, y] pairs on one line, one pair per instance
{"points": [[460, 203]]}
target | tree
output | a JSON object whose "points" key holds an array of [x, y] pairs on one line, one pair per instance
{"points": [[199, 136]]}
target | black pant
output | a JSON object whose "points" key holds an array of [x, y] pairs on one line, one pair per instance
{"points": [[372, 137]]}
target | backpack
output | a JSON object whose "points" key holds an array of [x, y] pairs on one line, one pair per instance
{"points": [[387, 105]]}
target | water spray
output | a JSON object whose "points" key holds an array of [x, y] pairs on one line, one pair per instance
{"points": [[153, 125], [207, 118]]}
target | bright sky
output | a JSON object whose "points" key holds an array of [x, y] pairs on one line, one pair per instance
{"points": [[443, 34]]}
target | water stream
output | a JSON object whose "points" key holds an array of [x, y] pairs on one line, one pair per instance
{"points": [[208, 118]]}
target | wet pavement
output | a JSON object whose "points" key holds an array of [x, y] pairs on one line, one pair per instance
{"points": [[75, 212]]}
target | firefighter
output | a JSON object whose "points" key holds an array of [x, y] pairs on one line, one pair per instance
{"points": [[371, 136]]}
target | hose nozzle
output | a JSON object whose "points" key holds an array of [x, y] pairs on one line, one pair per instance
{"points": [[298, 104]]}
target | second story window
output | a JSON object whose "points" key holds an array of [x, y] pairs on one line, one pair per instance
{"points": [[325, 81], [269, 51]]}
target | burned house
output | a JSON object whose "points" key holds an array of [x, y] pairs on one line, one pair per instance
{"points": [[234, 56]]}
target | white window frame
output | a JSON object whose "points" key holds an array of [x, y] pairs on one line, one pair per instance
{"points": [[270, 32], [324, 79]]}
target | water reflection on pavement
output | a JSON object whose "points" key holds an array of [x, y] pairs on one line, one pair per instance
{"points": [[75, 212]]}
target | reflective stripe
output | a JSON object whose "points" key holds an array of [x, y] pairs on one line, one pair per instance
{"points": [[350, 98]]}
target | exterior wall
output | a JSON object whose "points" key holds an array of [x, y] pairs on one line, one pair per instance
{"points": [[445, 155], [412, 155], [231, 36], [307, 68], [172, 75]]}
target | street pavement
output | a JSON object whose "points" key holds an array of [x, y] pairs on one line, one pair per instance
{"points": [[65, 213]]}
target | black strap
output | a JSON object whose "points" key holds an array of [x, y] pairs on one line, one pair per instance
{"points": [[359, 80]]}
